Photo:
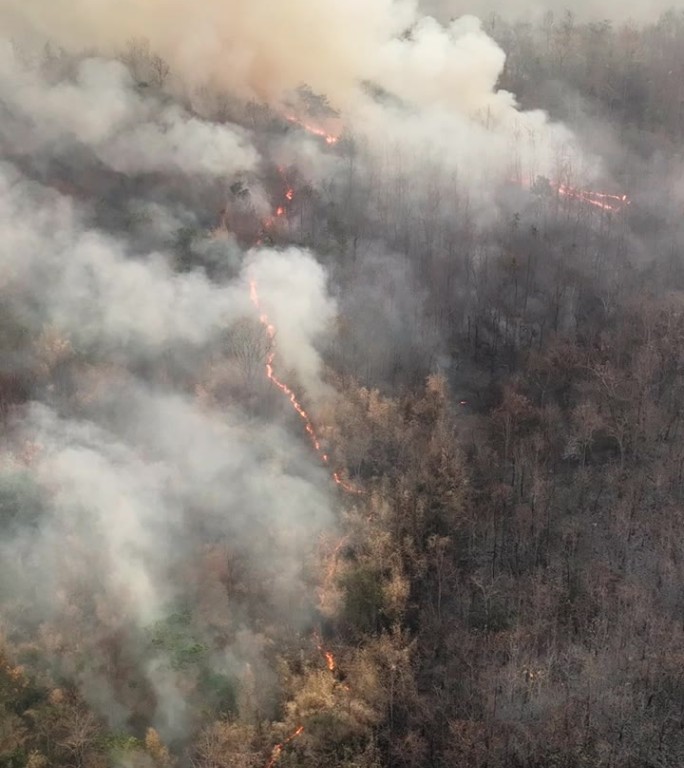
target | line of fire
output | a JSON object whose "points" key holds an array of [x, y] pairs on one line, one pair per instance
{"points": [[602, 201]]}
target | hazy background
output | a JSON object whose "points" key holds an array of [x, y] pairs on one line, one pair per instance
{"points": [[529, 10]]}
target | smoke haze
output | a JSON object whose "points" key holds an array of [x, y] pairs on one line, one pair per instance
{"points": [[443, 77], [358, 165], [525, 10], [130, 468]]}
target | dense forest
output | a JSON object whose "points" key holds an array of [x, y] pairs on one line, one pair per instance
{"points": [[342, 426]]}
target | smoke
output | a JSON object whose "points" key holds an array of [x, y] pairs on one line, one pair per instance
{"points": [[279, 277], [386, 296], [128, 496], [260, 49], [102, 110], [128, 473], [82, 281], [628, 10], [451, 114], [154, 481], [441, 79]]}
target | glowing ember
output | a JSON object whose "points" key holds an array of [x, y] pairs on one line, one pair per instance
{"points": [[280, 211], [278, 749], [291, 396]]}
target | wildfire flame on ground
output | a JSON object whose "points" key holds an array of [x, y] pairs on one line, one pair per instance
{"points": [[332, 667], [605, 202], [278, 749], [601, 200], [290, 394], [289, 191], [280, 212], [331, 663], [329, 657], [314, 130]]}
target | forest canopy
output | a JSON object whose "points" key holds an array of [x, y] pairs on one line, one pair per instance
{"points": [[340, 383]]}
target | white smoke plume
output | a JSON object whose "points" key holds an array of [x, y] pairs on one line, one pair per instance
{"points": [[101, 109], [82, 281], [443, 77], [292, 292], [127, 498], [85, 283], [132, 472]]}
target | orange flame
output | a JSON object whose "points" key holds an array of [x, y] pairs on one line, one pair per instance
{"points": [[278, 749], [329, 657], [605, 202], [330, 663], [290, 394], [601, 200], [313, 130], [289, 193]]}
